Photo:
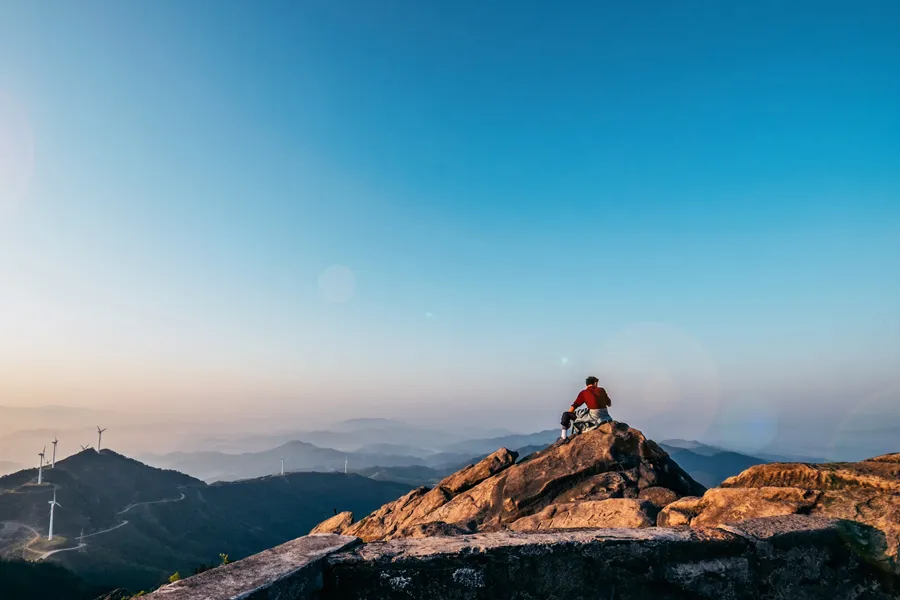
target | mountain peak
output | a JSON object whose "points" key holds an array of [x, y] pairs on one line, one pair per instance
{"points": [[610, 477]]}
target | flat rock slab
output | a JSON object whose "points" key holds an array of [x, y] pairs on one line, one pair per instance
{"points": [[289, 571], [753, 562], [774, 528], [570, 564], [417, 549]]}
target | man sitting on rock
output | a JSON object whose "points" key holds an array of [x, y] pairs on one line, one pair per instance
{"points": [[596, 400]]}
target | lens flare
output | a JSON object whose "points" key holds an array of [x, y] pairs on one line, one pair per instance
{"points": [[337, 284], [661, 379]]}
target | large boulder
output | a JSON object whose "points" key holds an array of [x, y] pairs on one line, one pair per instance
{"points": [[615, 512], [658, 496], [679, 513], [336, 524], [867, 492], [472, 475], [613, 461], [392, 519], [571, 483]]}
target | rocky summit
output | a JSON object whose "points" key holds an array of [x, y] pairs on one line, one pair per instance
{"points": [[867, 492], [610, 477], [607, 514]]}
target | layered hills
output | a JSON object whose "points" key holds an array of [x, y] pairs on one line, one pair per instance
{"points": [[298, 456], [141, 524], [710, 465], [413, 465]]}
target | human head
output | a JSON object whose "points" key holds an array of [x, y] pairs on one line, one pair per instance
{"points": [[591, 381]]}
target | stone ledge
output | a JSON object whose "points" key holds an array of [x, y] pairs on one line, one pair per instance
{"points": [[287, 572], [797, 557], [529, 543], [802, 558]]}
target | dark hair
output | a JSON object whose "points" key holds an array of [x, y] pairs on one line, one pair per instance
{"points": [[591, 380]]}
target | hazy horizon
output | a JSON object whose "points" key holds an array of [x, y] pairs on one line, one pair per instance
{"points": [[450, 215]]}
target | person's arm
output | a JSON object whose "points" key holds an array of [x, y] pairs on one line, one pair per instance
{"points": [[579, 400]]}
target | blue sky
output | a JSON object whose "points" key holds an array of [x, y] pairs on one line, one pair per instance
{"points": [[706, 195]]}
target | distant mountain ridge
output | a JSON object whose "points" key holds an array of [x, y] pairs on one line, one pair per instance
{"points": [[297, 455], [712, 469], [393, 461], [488, 445]]}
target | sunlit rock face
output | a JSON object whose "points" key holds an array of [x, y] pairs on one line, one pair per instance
{"points": [[610, 477], [867, 492]]}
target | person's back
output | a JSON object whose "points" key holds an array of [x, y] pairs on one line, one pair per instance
{"points": [[596, 400]]}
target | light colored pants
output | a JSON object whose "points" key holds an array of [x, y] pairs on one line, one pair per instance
{"points": [[592, 419]]}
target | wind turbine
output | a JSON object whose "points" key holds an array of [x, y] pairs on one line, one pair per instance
{"points": [[53, 504], [53, 460], [41, 465], [282, 467], [99, 437], [83, 447], [345, 465]]}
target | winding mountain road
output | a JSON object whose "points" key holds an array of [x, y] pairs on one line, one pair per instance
{"points": [[15, 525], [122, 524], [38, 536], [81, 545], [52, 552], [130, 506]]}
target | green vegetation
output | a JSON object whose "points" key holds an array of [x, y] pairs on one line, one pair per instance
{"points": [[43, 581]]}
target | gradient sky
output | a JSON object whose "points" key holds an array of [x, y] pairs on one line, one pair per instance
{"points": [[453, 210]]}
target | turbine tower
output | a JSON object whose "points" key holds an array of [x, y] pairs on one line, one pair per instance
{"points": [[345, 465], [41, 465], [99, 437], [53, 460], [282, 466], [53, 504]]}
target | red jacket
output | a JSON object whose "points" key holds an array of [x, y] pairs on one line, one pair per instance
{"points": [[593, 398]]}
